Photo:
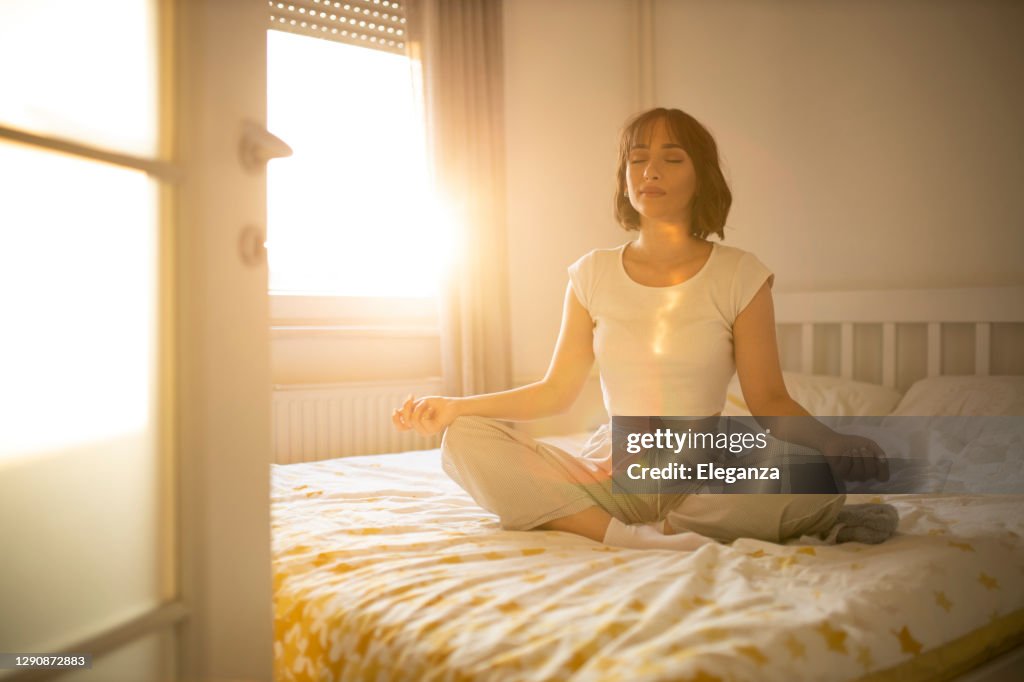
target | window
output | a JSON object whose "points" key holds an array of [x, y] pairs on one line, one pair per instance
{"points": [[351, 213]]}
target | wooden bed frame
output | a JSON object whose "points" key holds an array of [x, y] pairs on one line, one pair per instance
{"points": [[823, 332]]}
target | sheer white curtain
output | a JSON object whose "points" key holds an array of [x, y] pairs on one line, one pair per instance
{"points": [[458, 44]]}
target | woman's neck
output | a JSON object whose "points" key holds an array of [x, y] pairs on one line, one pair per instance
{"points": [[668, 242]]}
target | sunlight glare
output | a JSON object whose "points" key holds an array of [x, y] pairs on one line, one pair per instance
{"points": [[351, 213]]}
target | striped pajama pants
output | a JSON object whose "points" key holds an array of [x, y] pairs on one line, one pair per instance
{"points": [[527, 483]]}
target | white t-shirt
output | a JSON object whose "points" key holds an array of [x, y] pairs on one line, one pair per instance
{"points": [[664, 351]]}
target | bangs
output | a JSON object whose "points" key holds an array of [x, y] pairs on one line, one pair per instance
{"points": [[640, 131]]}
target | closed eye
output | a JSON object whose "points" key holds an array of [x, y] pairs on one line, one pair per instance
{"points": [[666, 160]]}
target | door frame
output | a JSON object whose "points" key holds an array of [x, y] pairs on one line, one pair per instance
{"points": [[222, 358]]}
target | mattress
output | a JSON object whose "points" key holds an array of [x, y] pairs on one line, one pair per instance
{"points": [[385, 569]]}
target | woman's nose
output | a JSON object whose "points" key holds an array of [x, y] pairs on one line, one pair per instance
{"points": [[651, 172]]}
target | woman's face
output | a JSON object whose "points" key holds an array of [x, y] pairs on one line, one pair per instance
{"points": [[660, 177]]}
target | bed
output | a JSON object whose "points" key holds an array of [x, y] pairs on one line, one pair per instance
{"points": [[385, 569]]}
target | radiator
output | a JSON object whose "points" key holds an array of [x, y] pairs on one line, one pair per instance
{"points": [[321, 421]]}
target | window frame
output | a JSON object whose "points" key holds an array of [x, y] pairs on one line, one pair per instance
{"points": [[310, 314]]}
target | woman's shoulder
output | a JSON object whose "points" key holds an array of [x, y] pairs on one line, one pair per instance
{"points": [[731, 253], [591, 269], [731, 258], [599, 258]]}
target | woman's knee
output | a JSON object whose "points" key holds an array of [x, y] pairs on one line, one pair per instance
{"points": [[463, 437], [471, 445], [455, 443], [457, 431]]}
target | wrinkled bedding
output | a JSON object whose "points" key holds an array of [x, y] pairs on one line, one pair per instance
{"points": [[385, 569]]}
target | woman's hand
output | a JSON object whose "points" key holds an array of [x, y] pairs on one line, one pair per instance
{"points": [[428, 415], [856, 458]]}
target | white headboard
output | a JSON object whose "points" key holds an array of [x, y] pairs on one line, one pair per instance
{"points": [[898, 336]]}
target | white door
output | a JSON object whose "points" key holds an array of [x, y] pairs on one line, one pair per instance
{"points": [[134, 363]]}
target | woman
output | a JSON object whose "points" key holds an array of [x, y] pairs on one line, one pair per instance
{"points": [[670, 316]]}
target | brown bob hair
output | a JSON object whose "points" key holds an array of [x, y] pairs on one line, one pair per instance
{"points": [[712, 197]]}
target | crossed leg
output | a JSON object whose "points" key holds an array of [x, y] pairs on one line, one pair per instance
{"points": [[531, 485]]}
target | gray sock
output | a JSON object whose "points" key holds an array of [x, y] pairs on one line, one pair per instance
{"points": [[867, 523]]}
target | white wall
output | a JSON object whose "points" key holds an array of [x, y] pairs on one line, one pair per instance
{"points": [[569, 86], [570, 83], [869, 145]]}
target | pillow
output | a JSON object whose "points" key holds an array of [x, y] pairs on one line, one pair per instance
{"points": [[823, 396], [971, 409], [964, 396]]}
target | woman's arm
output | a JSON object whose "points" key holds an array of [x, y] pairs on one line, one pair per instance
{"points": [[561, 385], [554, 394], [757, 364]]}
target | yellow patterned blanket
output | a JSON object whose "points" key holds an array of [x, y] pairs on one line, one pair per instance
{"points": [[385, 570]]}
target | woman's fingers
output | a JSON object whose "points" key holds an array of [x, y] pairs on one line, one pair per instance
{"points": [[421, 407], [428, 414], [876, 466], [876, 458], [850, 461], [883, 465], [855, 458], [866, 462], [417, 413], [870, 464], [396, 420], [420, 415], [840, 464], [858, 467], [407, 410], [851, 466], [401, 416]]}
